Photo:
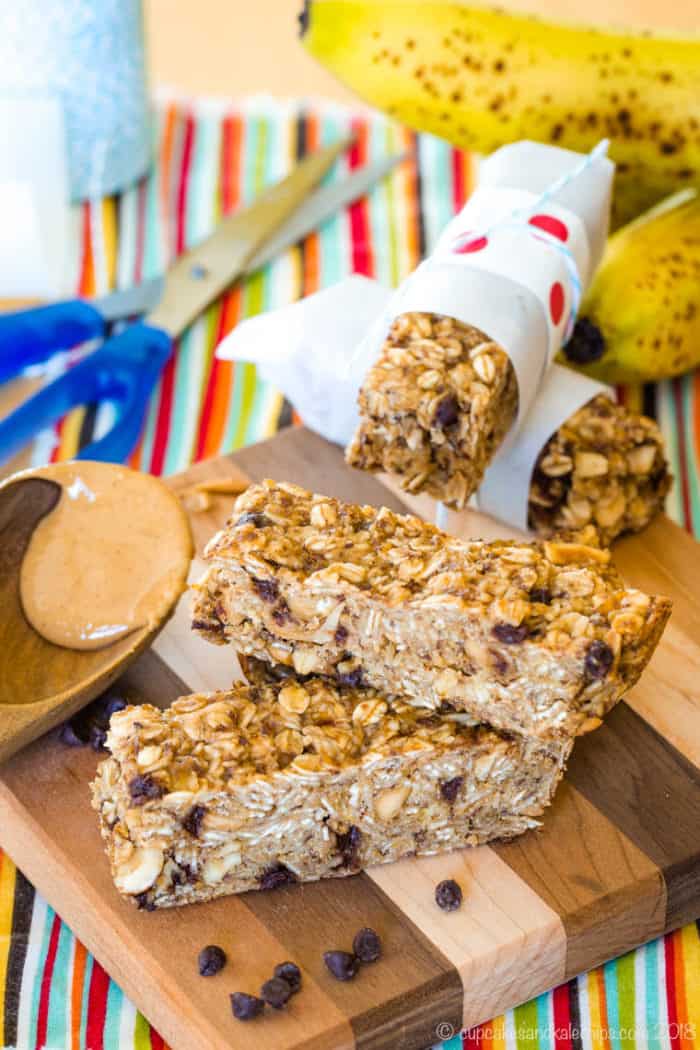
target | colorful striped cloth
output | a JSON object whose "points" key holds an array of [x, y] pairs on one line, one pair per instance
{"points": [[211, 157]]}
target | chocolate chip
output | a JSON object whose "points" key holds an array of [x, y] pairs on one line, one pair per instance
{"points": [[254, 517], [144, 901], [448, 895], [447, 412], [449, 789], [211, 960], [112, 704], [341, 634], [98, 737], [508, 634], [205, 625], [541, 595], [193, 820], [266, 589], [501, 665], [352, 679], [349, 845], [586, 344], [276, 876], [281, 613], [276, 992], [599, 659], [343, 965], [290, 973], [90, 725], [245, 1007], [366, 945], [143, 788], [71, 735]]}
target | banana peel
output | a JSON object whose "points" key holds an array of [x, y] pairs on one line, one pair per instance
{"points": [[640, 319], [480, 77]]}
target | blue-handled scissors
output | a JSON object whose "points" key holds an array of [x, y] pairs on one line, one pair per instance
{"points": [[126, 367]]}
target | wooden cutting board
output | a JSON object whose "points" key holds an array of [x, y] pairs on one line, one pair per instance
{"points": [[616, 863]]}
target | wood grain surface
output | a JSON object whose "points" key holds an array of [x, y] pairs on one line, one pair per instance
{"points": [[616, 862]]}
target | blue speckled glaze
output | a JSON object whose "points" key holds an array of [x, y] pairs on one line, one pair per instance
{"points": [[89, 53]]}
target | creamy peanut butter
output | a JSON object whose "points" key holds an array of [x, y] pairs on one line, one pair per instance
{"points": [[109, 559]]}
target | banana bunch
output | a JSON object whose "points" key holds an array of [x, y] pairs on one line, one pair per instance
{"points": [[640, 319], [481, 77]]}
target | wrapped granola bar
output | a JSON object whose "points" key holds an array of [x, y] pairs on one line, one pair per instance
{"points": [[552, 479], [500, 291]]}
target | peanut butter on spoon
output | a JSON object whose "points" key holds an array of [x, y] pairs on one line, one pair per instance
{"points": [[106, 560], [107, 555]]}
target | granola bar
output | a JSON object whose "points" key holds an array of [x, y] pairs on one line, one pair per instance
{"points": [[287, 781], [435, 407], [539, 638], [604, 467]]}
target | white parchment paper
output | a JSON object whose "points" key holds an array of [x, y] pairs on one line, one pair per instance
{"points": [[304, 350], [517, 258]]}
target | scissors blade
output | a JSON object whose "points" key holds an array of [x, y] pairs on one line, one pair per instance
{"points": [[319, 206], [203, 273], [130, 302], [323, 203]]}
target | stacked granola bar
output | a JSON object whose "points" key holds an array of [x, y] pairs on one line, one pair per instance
{"points": [[408, 693]]}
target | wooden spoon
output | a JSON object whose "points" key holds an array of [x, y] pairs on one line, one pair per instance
{"points": [[42, 684]]}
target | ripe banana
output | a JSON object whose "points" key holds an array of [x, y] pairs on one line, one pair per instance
{"points": [[640, 319], [480, 77]]}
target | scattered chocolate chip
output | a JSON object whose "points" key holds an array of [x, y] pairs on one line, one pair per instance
{"points": [[245, 1007], [276, 992], [449, 789], [447, 411], [448, 895], [343, 965], [211, 960], [192, 822], [144, 901], [266, 589], [586, 344], [541, 595], [508, 634], [254, 517], [276, 876], [353, 678], [290, 973], [90, 725], [349, 844], [366, 945], [70, 735], [599, 659], [143, 788], [341, 634]]}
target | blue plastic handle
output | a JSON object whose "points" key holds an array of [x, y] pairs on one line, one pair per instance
{"points": [[29, 337], [124, 370]]}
